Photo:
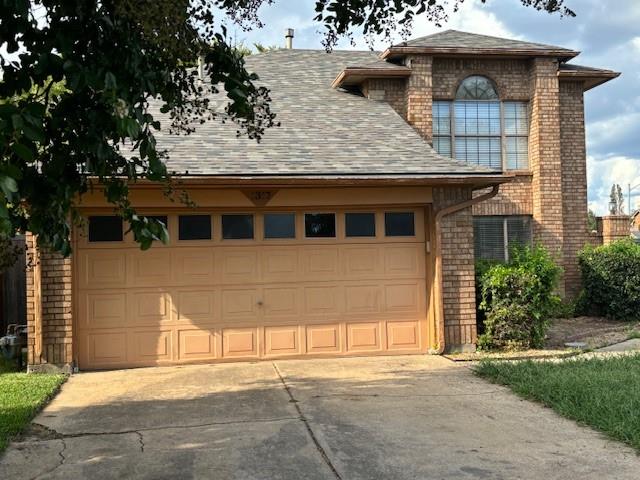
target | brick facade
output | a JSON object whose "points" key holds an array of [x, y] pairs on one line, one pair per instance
{"points": [[458, 270], [553, 191], [613, 228], [49, 308]]}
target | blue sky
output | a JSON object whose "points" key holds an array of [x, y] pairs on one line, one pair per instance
{"points": [[606, 32]]}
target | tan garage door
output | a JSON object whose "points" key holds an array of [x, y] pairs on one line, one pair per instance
{"points": [[255, 285]]}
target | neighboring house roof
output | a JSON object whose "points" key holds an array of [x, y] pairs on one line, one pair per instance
{"points": [[592, 77], [323, 131], [454, 42]]}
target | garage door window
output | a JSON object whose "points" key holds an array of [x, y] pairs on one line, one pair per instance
{"points": [[279, 225], [237, 227], [360, 224], [194, 227], [320, 225], [105, 229], [399, 224]]}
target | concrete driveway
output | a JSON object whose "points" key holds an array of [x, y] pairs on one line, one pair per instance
{"points": [[394, 418]]}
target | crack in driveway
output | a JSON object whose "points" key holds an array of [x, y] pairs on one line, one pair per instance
{"points": [[305, 421]]}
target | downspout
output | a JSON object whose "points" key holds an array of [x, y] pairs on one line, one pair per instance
{"points": [[438, 253]]}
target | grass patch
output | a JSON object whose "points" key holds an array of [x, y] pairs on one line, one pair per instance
{"points": [[22, 395], [603, 393], [634, 334]]}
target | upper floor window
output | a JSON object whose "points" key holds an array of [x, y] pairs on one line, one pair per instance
{"points": [[477, 128]]}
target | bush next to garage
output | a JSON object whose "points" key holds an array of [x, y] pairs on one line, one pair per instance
{"points": [[518, 298], [611, 280]]}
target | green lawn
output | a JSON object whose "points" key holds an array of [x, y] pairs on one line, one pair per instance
{"points": [[21, 397], [603, 393]]}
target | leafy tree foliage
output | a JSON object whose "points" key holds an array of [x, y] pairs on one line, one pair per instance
{"points": [[82, 74]]}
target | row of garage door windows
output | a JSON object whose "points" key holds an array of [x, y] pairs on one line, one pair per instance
{"points": [[107, 228]]}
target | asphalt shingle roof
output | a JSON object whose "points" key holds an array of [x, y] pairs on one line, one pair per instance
{"points": [[323, 131], [457, 39]]}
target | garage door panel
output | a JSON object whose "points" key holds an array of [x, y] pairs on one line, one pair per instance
{"points": [[364, 337], [239, 342], [324, 338], [193, 267], [239, 303], [102, 310], [404, 260], [107, 348], [281, 264], [403, 335], [150, 268], [197, 306], [403, 297], [280, 302], [321, 262], [283, 340], [197, 344], [362, 298], [101, 269], [149, 307], [238, 265], [362, 261], [150, 346], [322, 300]]}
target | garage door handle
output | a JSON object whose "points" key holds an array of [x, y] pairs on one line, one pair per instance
{"points": [[259, 303]]}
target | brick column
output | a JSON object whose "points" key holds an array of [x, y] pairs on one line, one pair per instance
{"points": [[545, 158], [615, 227], [420, 96], [458, 271], [574, 181], [49, 309]]}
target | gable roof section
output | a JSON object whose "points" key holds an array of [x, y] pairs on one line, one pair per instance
{"points": [[454, 42], [323, 131]]}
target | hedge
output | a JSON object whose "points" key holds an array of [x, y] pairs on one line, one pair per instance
{"points": [[611, 280]]}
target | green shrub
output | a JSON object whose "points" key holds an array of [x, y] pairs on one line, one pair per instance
{"points": [[611, 280], [481, 268], [518, 299]]}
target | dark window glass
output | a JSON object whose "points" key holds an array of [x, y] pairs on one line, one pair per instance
{"points": [[360, 224], [279, 225], [237, 227], [194, 227], [321, 225], [105, 229], [161, 218], [488, 238], [399, 224]]}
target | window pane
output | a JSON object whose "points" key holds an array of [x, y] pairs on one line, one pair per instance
{"points": [[488, 238], [237, 227], [477, 118], [519, 230], [279, 225], [442, 145], [318, 225], [516, 118], [194, 227], [399, 224], [441, 118], [517, 150], [476, 87], [105, 229], [483, 151], [360, 224]]}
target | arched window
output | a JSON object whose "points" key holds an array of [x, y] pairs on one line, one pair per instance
{"points": [[476, 87], [479, 129]]}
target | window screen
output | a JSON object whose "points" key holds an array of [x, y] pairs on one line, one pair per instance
{"points": [[516, 130], [491, 232], [194, 227], [399, 224], [279, 225], [105, 229], [360, 224], [319, 225], [237, 227]]}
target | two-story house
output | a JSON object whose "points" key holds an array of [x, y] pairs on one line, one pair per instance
{"points": [[350, 229]]}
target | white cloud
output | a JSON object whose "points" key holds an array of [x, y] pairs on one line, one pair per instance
{"points": [[601, 174]]}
